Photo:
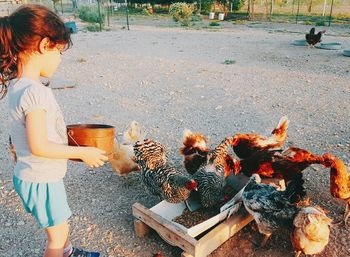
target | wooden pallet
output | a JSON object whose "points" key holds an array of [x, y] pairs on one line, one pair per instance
{"points": [[192, 246], [217, 230]]}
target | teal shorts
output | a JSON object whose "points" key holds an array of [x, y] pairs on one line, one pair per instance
{"points": [[47, 202]]}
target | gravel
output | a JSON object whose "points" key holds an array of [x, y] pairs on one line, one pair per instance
{"points": [[169, 79]]}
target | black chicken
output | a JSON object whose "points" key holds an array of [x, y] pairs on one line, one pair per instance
{"points": [[274, 210], [312, 38], [158, 176]]}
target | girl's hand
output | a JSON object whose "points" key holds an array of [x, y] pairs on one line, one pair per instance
{"points": [[93, 156]]}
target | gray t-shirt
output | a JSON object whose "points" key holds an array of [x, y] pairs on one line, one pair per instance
{"points": [[26, 95]]}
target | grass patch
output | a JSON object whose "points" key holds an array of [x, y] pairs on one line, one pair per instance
{"points": [[81, 60], [229, 62]]}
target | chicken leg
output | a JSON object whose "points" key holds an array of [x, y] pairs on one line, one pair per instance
{"points": [[297, 254], [265, 239], [347, 211]]}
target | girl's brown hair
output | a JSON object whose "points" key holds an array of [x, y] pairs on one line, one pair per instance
{"points": [[22, 31]]}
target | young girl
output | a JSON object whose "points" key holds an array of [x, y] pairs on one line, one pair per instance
{"points": [[31, 42]]}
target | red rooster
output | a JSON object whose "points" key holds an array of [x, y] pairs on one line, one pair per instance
{"points": [[245, 145], [339, 181], [195, 150], [277, 164]]}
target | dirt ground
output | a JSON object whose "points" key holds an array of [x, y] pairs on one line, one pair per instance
{"points": [[168, 79]]}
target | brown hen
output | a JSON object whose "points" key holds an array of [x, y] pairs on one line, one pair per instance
{"points": [[245, 145], [195, 150], [339, 181]]}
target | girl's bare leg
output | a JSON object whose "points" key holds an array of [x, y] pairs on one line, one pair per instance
{"points": [[57, 238]]}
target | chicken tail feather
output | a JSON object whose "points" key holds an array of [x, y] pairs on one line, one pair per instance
{"points": [[280, 132]]}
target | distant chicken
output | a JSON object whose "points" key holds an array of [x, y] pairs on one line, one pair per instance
{"points": [[310, 233], [245, 145], [158, 176], [339, 181], [273, 210], [312, 38], [279, 164], [212, 174], [123, 159], [195, 150]]}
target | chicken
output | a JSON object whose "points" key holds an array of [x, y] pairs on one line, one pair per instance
{"points": [[133, 134], [312, 38], [158, 176], [274, 210], [279, 164], [195, 150], [245, 145], [212, 174], [12, 150], [123, 159], [339, 181], [310, 234]]}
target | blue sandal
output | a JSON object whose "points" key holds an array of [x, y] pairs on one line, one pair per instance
{"points": [[81, 253]]}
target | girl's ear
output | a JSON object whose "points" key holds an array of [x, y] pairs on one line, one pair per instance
{"points": [[44, 45]]}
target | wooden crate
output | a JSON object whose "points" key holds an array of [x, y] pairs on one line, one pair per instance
{"points": [[216, 230], [172, 234]]}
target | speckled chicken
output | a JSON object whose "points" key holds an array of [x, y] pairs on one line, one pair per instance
{"points": [[339, 181], [212, 174], [279, 164], [158, 176], [273, 210], [245, 145], [195, 150]]}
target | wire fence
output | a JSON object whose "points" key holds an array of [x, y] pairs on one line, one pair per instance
{"points": [[310, 12]]}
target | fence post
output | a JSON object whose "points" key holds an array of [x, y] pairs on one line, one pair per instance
{"points": [[99, 14], [296, 21], [127, 14], [330, 14]]}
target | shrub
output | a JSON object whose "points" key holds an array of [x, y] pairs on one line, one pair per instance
{"points": [[206, 5], [237, 4], [181, 12], [93, 27], [196, 17], [320, 23], [90, 14]]}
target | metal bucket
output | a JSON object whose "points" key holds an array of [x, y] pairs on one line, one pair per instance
{"points": [[97, 135]]}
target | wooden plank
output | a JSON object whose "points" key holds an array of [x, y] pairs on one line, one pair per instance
{"points": [[168, 231], [222, 233], [184, 254]]}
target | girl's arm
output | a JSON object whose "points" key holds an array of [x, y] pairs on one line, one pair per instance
{"points": [[40, 145]]}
